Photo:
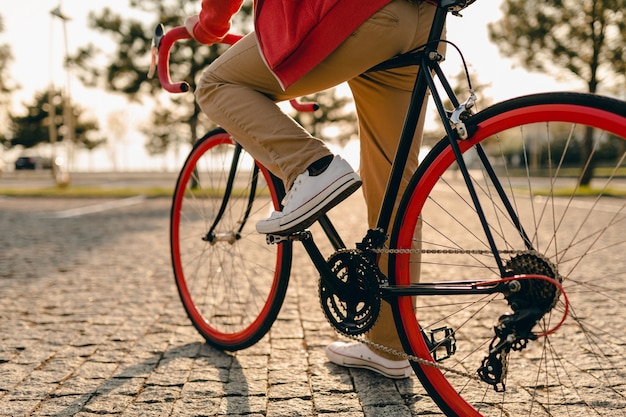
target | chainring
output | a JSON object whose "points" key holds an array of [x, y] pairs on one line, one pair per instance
{"points": [[350, 297]]}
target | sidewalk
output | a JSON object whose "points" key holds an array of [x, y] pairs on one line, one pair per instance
{"points": [[91, 324]]}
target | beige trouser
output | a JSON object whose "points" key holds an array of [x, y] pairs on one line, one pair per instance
{"points": [[238, 92]]}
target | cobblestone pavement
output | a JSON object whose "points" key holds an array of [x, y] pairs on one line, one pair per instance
{"points": [[91, 324]]}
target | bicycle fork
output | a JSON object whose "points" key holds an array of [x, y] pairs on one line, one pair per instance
{"points": [[233, 236]]}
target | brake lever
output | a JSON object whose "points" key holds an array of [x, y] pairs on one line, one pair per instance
{"points": [[159, 32]]}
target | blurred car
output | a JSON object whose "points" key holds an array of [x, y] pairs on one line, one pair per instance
{"points": [[33, 162]]}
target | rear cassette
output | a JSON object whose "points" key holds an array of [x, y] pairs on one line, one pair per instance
{"points": [[533, 292]]}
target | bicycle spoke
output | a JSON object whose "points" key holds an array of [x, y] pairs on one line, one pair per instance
{"points": [[231, 282], [577, 237]]}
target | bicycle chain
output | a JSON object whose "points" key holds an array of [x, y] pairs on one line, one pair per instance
{"points": [[405, 355], [412, 358], [446, 251]]}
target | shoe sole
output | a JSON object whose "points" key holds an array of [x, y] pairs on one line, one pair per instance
{"points": [[403, 375], [352, 362], [298, 224]]}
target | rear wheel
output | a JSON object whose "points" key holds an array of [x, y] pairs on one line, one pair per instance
{"points": [[231, 283], [576, 234]]}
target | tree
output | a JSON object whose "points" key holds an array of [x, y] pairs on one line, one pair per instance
{"points": [[6, 86], [5, 59], [32, 129], [126, 70], [584, 37], [335, 120]]}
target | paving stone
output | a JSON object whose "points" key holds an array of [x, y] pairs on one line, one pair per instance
{"points": [[289, 390], [289, 408], [91, 325], [243, 405], [67, 405], [332, 403]]}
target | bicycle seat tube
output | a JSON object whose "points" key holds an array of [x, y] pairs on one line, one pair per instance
{"points": [[412, 118]]}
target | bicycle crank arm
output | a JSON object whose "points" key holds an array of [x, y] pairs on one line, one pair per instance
{"points": [[306, 237]]}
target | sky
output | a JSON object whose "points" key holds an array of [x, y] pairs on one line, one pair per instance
{"points": [[37, 43], [36, 39]]}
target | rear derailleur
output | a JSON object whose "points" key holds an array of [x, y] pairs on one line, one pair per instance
{"points": [[513, 332], [530, 299]]}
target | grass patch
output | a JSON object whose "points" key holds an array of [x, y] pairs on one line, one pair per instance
{"points": [[581, 192], [87, 192], [97, 192]]}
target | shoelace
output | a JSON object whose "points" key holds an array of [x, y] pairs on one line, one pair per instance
{"points": [[294, 188]]}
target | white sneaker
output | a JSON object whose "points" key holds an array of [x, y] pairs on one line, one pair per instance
{"points": [[311, 197], [358, 355]]}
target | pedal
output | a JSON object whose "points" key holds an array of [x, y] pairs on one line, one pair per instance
{"points": [[274, 239], [441, 343]]}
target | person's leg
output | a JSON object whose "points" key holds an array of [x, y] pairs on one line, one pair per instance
{"points": [[381, 101], [380, 129], [238, 92]]}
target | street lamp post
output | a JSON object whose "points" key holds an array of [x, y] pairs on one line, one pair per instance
{"points": [[61, 175]]}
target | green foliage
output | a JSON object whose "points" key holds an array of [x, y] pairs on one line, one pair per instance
{"points": [[6, 57], [6, 86], [33, 128], [584, 37], [125, 71], [335, 118]]}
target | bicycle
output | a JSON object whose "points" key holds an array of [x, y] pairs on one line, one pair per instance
{"points": [[527, 318]]}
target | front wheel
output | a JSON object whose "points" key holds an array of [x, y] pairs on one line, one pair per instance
{"points": [[231, 283], [573, 229]]}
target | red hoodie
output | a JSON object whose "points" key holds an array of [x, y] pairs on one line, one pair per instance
{"points": [[293, 35]]}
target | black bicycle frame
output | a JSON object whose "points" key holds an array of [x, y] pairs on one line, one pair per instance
{"points": [[427, 59]]}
